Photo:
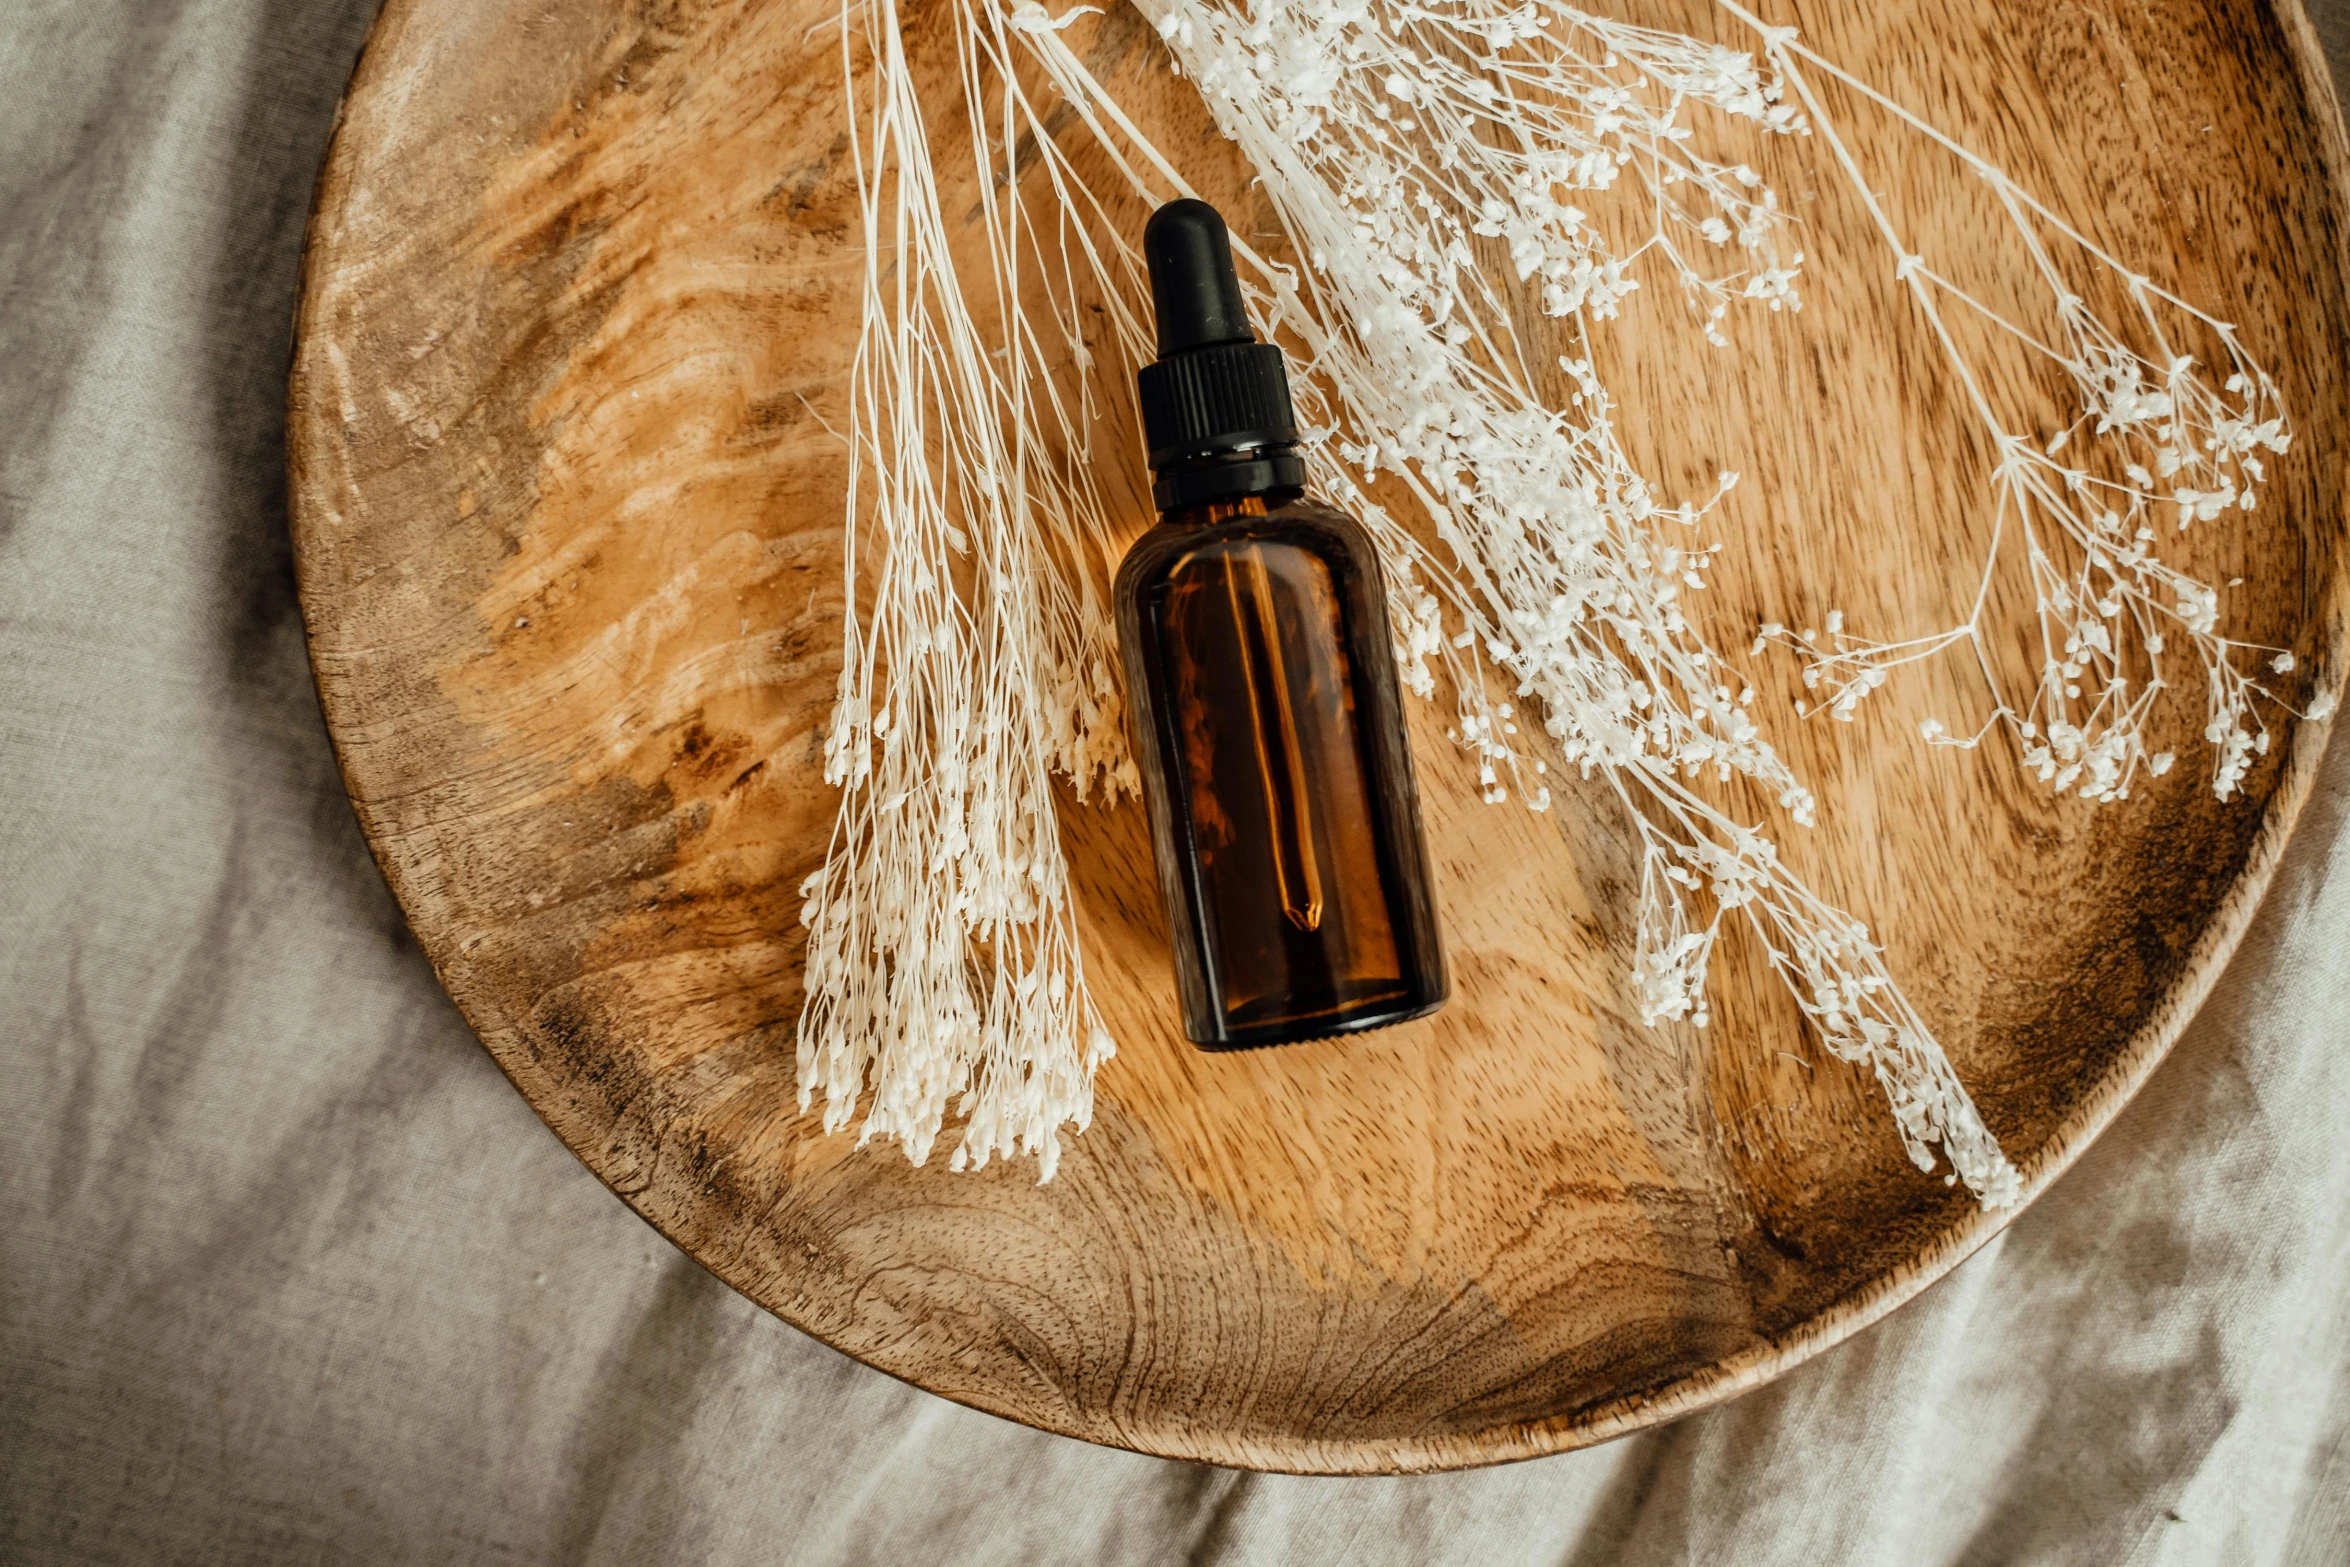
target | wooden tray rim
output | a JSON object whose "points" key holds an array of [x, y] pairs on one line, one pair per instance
{"points": [[1597, 1423]]}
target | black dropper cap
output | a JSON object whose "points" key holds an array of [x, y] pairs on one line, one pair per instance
{"points": [[1216, 414]]}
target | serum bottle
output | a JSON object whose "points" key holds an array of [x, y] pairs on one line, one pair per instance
{"points": [[1253, 624]]}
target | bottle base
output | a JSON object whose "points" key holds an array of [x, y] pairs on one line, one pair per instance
{"points": [[1303, 1030]]}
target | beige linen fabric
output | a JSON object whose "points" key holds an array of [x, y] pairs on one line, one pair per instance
{"points": [[288, 1273]]}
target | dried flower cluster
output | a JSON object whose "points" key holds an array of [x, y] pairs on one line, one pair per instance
{"points": [[2081, 513], [1447, 172], [943, 965]]}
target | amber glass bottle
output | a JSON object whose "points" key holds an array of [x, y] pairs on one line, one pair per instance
{"points": [[1254, 627]]}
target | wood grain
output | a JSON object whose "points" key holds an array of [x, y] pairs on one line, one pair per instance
{"points": [[579, 302]]}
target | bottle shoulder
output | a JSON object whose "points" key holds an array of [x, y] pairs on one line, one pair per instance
{"points": [[1304, 522]]}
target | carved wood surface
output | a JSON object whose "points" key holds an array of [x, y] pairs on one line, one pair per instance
{"points": [[580, 297]]}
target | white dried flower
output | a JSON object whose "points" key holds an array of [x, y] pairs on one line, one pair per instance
{"points": [[2081, 532], [1416, 153], [1558, 570]]}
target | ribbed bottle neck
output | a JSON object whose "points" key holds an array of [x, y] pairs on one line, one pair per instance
{"points": [[1217, 420], [1226, 476]]}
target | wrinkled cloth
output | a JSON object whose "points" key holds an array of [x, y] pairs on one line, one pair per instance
{"points": [[288, 1272]]}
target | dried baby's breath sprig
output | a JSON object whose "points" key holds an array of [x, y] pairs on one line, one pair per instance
{"points": [[2154, 448], [1445, 171], [943, 969], [1419, 156]]}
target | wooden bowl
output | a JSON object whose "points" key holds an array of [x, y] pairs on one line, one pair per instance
{"points": [[580, 296]]}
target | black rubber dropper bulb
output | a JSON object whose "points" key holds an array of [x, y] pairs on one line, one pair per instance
{"points": [[1193, 284], [1216, 413]]}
